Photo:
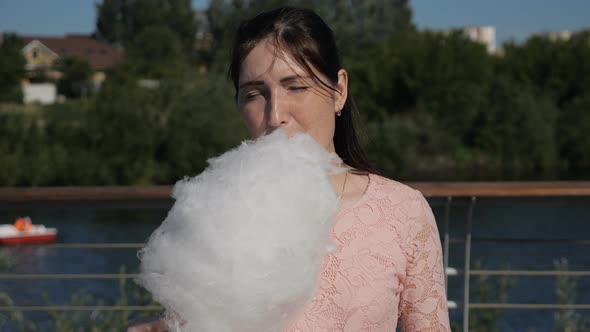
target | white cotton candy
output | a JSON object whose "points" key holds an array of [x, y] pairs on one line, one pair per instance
{"points": [[241, 248]]}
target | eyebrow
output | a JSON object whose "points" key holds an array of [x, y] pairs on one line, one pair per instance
{"points": [[283, 80]]}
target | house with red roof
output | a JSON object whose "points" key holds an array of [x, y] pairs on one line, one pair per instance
{"points": [[41, 53]]}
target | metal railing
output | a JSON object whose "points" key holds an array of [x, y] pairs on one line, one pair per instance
{"points": [[467, 273], [449, 192], [78, 276]]}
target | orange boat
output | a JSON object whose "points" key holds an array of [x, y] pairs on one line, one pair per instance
{"points": [[23, 231]]}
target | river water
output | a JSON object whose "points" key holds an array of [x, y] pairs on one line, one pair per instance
{"points": [[514, 222]]}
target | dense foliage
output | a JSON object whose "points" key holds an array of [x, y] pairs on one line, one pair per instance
{"points": [[12, 68], [432, 105]]}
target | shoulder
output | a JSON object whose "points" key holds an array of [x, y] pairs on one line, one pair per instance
{"points": [[405, 204], [411, 215], [391, 201], [385, 186]]}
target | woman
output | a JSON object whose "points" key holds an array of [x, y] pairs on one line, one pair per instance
{"points": [[388, 263]]}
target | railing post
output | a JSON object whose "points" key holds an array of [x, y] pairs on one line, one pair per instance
{"points": [[467, 273], [446, 241]]}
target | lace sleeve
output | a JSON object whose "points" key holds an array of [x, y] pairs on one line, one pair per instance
{"points": [[423, 300]]}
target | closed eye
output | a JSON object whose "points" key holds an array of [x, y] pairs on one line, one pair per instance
{"points": [[298, 88], [251, 95]]}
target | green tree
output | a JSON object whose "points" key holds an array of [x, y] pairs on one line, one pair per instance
{"points": [[12, 68], [75, 79], [121, 21], [517, 132], [572, 134], [156, 53], [411, 146], [556, 72], [159, 135], [557, 68], [443, 75], [223, 19], [357, 24], [12, 130]]}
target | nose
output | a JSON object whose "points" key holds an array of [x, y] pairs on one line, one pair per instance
{"points": [[278, 113]]}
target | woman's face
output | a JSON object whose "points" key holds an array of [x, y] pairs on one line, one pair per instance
{"points": [[276, 92]]}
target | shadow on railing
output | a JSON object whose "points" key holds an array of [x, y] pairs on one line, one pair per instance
{"points": [[449, 192]]}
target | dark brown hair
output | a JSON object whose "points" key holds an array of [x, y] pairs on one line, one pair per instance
{"points": [[303, 34]]}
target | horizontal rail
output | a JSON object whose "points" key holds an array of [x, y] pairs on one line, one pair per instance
{"points": [[522, 240], [543, 306], [29, 276], [529, 273], [450, 271], [106, 193], [502, 189], [140, 245], [81, 308], [430, 189], [91, 245], [527, 306]]}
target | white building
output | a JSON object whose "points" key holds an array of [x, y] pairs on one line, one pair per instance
{"points": [[43, 93], [563, 35], [482, 34]]}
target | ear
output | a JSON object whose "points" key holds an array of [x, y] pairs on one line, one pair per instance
{"points": [[341, 92]]}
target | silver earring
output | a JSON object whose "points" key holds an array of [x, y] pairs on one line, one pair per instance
{"points": [[339, 113]]}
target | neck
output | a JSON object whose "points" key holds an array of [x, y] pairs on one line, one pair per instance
{"points": [[331, 147], [339, 183]]}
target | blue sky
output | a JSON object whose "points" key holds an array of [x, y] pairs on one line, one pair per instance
{"points": [[512, 18]]}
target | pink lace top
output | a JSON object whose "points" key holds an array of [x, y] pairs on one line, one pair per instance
{"points": [[387, 267]]}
